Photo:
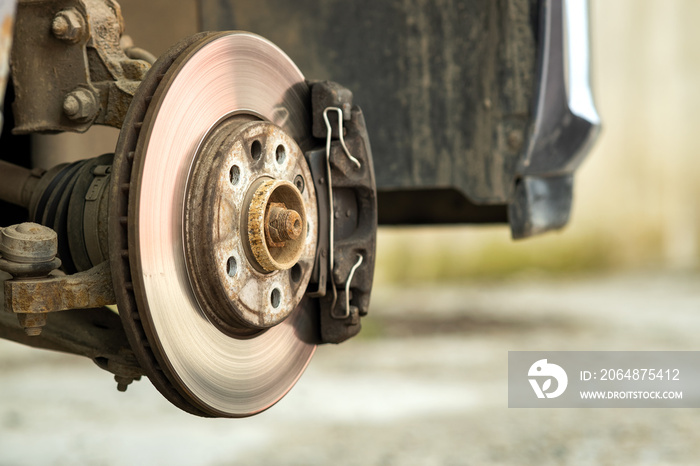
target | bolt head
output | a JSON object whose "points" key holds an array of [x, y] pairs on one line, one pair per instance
{"points": [[68, 25], [71, 106], [60, 26], [276, 225], [80, 105]]}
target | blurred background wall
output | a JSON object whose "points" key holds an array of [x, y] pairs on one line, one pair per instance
{"points": [[636, 195]]}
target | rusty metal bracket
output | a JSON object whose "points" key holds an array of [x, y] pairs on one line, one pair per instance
{"points": [[344, 180], [83, 290], [97, 79], [33, 299]]}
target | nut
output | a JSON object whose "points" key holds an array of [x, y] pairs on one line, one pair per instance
{"points": [[276, 225], [32, 323], [80, 105], [29, 250], [68, 25], [282, 224], [123, 382]]}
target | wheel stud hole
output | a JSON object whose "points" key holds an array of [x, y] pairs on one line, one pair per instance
{"points": [[235, 175], [280, 154], [231, 266], [296, 273], [256, 150], [299, 183], [275, 298]]}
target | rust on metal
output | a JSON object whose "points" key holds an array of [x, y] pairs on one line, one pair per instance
{"points": [[276, 225], [29, 255], [28, 243], [81, 105], [281, 224], [68, 25], [89, 289], [98, 79], [240, 263]]}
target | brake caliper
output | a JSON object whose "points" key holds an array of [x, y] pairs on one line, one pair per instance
{"points": [[343, 175]]}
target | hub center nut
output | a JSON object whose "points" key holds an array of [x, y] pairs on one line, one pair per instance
{"points": [[276, 225], [281, 224]]}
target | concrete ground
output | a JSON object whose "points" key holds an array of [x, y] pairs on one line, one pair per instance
{"points": [[425, 385]]}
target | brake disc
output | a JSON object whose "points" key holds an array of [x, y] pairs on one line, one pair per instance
{"points": [[213, 224]]}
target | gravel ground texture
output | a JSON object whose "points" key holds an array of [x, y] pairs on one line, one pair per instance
{"points": [[424, 385]]}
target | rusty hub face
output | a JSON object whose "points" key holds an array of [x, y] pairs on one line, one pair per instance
{"points": [[276, 229], [250, 232]]}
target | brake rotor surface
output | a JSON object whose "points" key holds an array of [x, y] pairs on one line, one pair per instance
{"points": [[217, 373]]}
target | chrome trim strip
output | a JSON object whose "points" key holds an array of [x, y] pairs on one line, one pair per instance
{"points": [[566, 119]]}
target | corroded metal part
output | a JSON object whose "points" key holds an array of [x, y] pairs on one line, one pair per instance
{"points": [[81, 105], [282, 224], [28, 243], [241, 167], [31, 298], [193, 362], [97, 79], [69, 25], [277, 225], [28, 254], [89, 289]]}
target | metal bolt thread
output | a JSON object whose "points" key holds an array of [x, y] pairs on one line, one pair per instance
{"points": [[283, 224], [33, 331]]}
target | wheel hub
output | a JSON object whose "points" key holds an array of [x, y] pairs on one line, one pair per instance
{"points": [[250, 233]]}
